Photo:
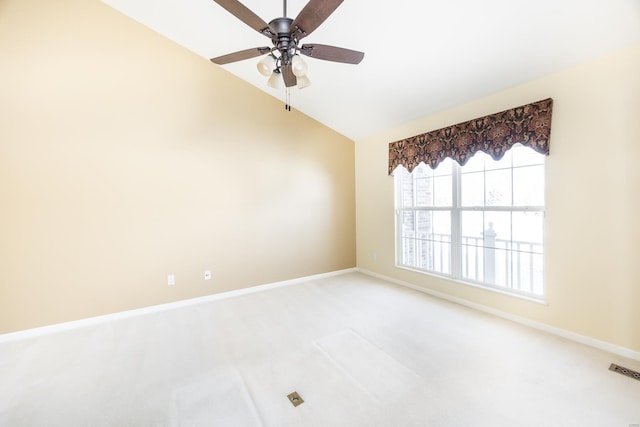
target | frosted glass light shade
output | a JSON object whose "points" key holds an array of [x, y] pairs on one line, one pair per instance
{"points": [[298, 66], [303, 81], [265, 66], [274, 81]]}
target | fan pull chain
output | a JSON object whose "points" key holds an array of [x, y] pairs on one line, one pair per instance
{"points": [[287, 105]]}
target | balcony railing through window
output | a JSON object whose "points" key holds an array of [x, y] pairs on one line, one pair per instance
{"points": [[510, 264]]}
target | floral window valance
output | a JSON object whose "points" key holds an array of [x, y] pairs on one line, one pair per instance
{"points": [[529, 125]]}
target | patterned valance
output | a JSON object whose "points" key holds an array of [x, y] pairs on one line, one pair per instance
{"points": [[529, 125]]}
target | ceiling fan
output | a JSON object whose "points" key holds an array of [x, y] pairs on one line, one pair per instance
{"points": [[283, 59]]}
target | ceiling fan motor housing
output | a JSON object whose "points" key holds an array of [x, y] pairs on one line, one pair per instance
{"points": [[283, 39]]}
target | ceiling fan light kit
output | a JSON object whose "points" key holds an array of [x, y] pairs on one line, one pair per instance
{"points": [[303, 81], [275, 82], [283, 62], [299, 66], [266, 65]]}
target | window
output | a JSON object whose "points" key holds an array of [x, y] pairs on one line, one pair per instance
{"points": [[480, 223]]}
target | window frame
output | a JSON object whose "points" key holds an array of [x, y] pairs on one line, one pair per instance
{"points": [[456, 258]]}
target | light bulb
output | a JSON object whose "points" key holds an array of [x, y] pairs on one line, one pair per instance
{"points": [[265, 66], [299, 66], [274, 81], [303, 81]]}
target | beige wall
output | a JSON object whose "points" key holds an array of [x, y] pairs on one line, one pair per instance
{"points": [[592, 195], [124, 158]]}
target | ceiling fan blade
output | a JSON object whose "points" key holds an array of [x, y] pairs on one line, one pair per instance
{"points": [[332, 53], [241, 12], [288, 76], [241, 55], [312, 15]]}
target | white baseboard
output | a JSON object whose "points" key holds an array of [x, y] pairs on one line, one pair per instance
{"points": [[61, 327], [65, 326], [583, 339]]}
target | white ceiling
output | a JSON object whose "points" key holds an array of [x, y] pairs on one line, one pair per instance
{"points": [[421, 57]]}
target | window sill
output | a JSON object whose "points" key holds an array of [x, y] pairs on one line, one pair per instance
{"points": [[531, 298]]}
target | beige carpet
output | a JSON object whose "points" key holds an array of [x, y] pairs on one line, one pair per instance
{"points": [[359, 351]]}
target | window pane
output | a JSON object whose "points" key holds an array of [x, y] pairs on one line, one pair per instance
{"points": [[498, 268], [472, 262], [441, 262], [472, 250], [498, 188], [407, 223], [472, 189], [442, 223], [408, 253], [440, 255], [424, 191], [504, 162], [426, 242], [497, 226], [524, 156], [431, 188], [423, 256], [537, 287], [444, 168], [527, 272], [475, 163], [472, 227], [442, 191], [528, 186], [421, 171], [528, 229], [424, 224], [406, 187]]}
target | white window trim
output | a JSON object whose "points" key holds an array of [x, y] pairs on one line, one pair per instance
{"points": [[456, 264]]}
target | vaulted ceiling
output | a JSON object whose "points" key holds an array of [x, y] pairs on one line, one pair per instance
{"points": [[420, 56]]}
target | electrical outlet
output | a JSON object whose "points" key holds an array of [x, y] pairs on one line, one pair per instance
{"points": [[207, 275], [171, 280]]}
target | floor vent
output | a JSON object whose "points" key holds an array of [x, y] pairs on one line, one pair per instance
{"points": [[295, 399], [625, 371]]}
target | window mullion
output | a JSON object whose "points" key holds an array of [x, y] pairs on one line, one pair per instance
{"points": [[456, 232]]}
